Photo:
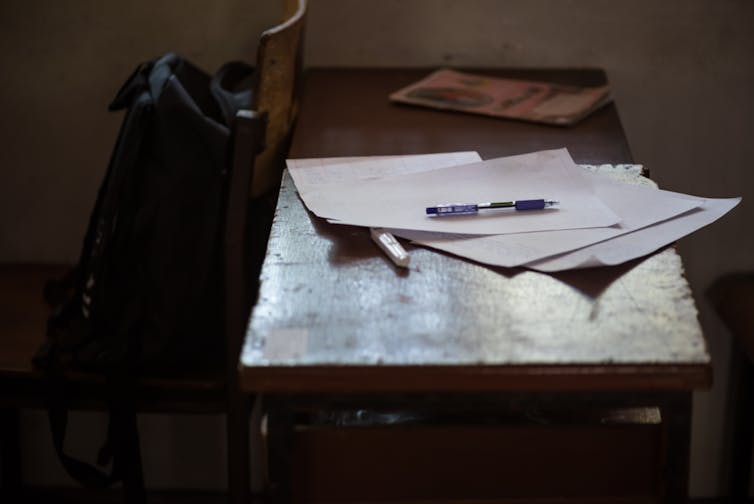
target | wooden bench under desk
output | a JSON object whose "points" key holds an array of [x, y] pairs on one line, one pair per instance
{"points": [[477, 347]]}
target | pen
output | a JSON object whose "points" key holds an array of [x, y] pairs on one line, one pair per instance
{"points": [[387, 242], [473, 208]]}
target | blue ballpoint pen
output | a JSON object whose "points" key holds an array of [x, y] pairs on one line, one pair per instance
{"points": [[474, 208]]}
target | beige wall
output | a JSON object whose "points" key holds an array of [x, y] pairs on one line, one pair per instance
{"points": [[62, 62], [681, 73]]}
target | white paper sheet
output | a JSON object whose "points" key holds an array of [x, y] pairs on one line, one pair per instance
{"points": [[308, 173], [581, 248], [639, 243], [638, 206], [399, 201]]}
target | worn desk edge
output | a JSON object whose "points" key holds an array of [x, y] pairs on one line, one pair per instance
{"points": [[564, 378]]}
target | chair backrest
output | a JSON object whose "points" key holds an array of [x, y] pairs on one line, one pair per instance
{"points": [[279, 65], [259, 143]]}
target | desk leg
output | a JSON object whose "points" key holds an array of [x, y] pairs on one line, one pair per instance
{"points": [[280, 425], [743, 427], [676, 415]]}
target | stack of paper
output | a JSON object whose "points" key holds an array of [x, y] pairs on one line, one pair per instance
{"points": [[598, 220]]}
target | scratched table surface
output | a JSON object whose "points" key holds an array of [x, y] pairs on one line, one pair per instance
{"points": [[334, 315]]}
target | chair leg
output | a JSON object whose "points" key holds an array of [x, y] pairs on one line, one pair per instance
{"points": [[237, 433], [743, 431], [10, 452]]}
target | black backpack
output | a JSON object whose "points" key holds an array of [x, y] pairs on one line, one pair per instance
{"points": [[146, 295]]}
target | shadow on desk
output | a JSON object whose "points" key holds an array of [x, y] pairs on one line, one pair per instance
{"points": [[589, 281]]}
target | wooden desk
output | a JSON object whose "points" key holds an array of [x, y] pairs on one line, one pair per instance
{"points": [[337, 325]]}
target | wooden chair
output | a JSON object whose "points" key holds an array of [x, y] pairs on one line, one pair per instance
{"points": [[732, 296], [259, 143]]}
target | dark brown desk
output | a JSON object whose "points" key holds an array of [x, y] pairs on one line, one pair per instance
{"points": [[350, 331], [346, 113]]}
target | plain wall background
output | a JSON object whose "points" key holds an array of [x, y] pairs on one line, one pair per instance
{"points": [[681, 72]]}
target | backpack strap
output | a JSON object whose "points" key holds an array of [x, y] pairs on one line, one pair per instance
{"points": [[136, 83], [232, 86], [57, 411], [122, 445]]}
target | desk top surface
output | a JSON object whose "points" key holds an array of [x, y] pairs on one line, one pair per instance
{"points": [[345, 112], [334, 315]]}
